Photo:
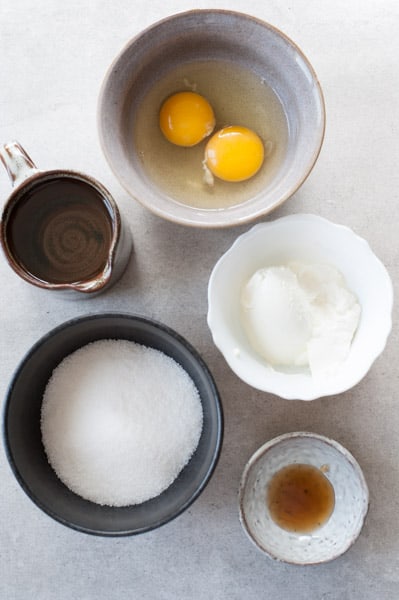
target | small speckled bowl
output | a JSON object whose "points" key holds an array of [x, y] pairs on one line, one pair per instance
{"points": [[351, 499], [205, 36], [309, 239]]}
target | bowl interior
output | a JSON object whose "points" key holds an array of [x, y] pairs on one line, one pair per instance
{"points": [[211, 35], [351, 499], [23, 436], [310, 239]]}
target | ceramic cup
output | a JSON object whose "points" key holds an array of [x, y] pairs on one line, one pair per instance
{"points": [[61, 230]]}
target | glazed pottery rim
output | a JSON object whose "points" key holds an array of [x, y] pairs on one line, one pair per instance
{"points": [[157, 325], [222, 217], [346, 455]]}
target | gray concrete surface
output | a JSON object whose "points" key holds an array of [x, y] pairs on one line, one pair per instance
{"points": [[53, 56]]}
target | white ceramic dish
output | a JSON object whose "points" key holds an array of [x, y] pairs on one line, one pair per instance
{"points": [[211, 35], [306, 238], [351, 499]]}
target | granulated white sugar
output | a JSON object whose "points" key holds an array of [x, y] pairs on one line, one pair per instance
{"points": [[119, 422]]}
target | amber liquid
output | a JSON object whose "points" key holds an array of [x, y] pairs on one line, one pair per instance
{"points": [[300, 498], [60, 231]]}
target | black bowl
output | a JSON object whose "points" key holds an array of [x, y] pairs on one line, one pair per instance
{"points": [[23, 442]]}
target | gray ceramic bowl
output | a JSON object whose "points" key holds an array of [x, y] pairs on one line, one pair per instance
{"points": [[206, 36], [351, 499], [23, 442]]}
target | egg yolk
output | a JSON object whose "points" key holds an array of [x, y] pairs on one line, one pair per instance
{"points": [[234, 153], [186, 118]]}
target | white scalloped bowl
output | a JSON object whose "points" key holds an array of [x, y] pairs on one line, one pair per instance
{"points": [[306, 238], [351, 499]]}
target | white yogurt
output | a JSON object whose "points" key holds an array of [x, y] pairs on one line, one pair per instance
{"points": [[300, 315]]}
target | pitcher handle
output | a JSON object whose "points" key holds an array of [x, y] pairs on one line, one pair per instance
{"points": [[17, 163]]}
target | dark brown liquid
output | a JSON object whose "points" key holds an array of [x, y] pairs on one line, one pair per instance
{"points": [[300, 498], [61, 231]]}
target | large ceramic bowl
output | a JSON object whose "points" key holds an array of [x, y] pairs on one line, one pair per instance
{"points": [[23, 441], [236, 40], [309, 239], [338, 533]]}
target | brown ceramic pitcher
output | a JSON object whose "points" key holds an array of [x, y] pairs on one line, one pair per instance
{"points": [[61, 230]]}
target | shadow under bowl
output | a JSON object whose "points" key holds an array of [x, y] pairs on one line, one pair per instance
{"points": [[23, 441]]}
